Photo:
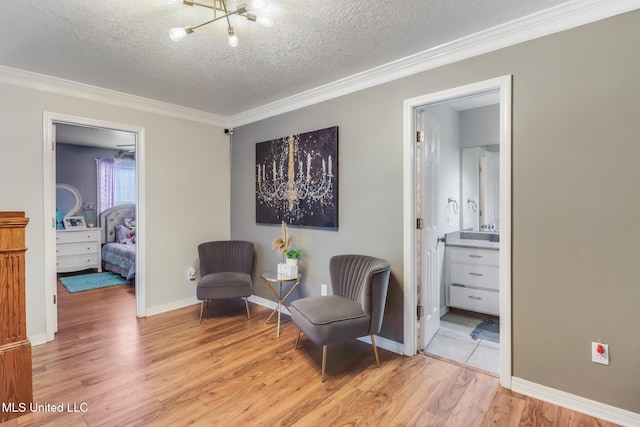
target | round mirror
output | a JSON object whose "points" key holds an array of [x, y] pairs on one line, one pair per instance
{"points": [[68, 199]]}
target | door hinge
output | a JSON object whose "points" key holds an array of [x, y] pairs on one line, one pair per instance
{"points": [[419, 136], [420, 312], [53, 146], [420, 223], [55, 300]]}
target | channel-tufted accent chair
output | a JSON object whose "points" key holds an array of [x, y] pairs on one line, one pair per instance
{"points": [[225, 268], [355, 309]]}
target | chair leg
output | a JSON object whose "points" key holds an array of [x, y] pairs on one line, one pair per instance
{"points": [[324, 361], [201, 310], [295, 346], [246, 302], [375, 350]]}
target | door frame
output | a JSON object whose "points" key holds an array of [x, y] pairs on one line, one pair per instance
{"points": [[49, 184], [503, 86]]}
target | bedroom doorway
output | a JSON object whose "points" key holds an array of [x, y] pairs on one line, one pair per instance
{"points": [[128, 141]]}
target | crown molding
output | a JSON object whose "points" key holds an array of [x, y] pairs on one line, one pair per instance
{"points": [[549, 21], [41, 82]]}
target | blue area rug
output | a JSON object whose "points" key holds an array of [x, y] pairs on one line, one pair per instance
{"points": [[487, 330], [87, 282]]}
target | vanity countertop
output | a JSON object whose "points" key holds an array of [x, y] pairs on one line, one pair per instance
{"points": [[473, 243]]}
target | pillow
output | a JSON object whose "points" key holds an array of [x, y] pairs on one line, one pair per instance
{"points": [[124, 235]]}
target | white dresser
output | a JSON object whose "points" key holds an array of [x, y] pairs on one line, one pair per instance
{"points": [[78, 250], [473, 279]]}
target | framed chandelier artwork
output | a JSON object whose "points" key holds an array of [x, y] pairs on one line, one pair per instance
{"points": [[297, 179]]}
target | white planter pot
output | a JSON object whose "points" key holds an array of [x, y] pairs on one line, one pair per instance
{"points": [[291, 261]]}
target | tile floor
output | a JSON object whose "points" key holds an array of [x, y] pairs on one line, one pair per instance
{"points": [[453, 341]]}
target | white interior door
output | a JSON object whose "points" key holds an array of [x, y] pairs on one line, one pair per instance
{"points": [[430, 261], [54, 278]]}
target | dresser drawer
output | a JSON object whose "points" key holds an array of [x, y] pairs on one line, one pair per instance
{"points": [[474, 256], [77, 249], [474, 299], [78, 236], [77, 262], [479, 276]]}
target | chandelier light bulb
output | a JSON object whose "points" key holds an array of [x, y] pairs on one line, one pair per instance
{"points": [[233, 38], [265, 21], [177, 34]]}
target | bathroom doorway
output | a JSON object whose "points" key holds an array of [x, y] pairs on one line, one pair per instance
{"points": [[435, 205]]}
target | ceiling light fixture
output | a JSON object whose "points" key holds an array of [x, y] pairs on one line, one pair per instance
{"points": [[220, 11]]}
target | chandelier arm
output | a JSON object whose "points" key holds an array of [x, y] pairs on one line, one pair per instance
{"points": [[208, 6], [214, 8], [194, 27], [226, 12]]}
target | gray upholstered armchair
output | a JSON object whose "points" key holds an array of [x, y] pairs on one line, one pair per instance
{"points": [[225, 268], [355, 309]]}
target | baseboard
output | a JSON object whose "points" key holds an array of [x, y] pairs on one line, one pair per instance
{"points": [[267, 303], [575, 403], [381, 342], [38, 339], [385, 343], [152, 311]]}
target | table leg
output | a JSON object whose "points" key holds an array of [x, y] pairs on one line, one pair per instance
{"points": [[270, 316], [281, 300], [276, 295], [279, 311]]}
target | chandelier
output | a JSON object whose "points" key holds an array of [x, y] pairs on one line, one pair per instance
{"points": [[221, 11], [309, 185]]}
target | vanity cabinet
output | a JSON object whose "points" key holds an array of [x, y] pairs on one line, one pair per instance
{"points": [[473, 279], [78, 250]]}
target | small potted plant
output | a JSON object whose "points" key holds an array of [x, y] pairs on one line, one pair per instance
{"points": [[291, 256]]}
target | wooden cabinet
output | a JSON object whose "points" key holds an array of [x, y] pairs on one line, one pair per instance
{"points": [[78, 250], [16, 387], [473, 279]]}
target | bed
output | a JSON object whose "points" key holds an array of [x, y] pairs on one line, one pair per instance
{"points": [[119, 258]]}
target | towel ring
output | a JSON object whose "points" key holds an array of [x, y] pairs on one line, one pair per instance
{"points": [[453, 202]]}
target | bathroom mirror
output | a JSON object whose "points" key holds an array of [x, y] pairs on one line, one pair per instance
{"points": [[68, 199], [480, 181]]}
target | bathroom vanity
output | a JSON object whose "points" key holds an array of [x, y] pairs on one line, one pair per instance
{"points": [[473, 271]]}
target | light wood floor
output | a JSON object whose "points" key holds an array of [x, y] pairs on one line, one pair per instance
{"points": [[169, 370]]}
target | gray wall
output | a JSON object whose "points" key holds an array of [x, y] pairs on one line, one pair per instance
{"points": [[369, 186], [576, 96], [480, 126], [76, 166], [187, 191]]}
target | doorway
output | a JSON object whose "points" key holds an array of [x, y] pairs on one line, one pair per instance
{"points": [[51, 120], [423, 231]]}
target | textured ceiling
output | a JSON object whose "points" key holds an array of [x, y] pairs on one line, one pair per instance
{"points": [[123, 45]]}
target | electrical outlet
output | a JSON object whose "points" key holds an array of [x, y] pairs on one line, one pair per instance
{"points": [[191, 273], [323, 290], [599, 353]]}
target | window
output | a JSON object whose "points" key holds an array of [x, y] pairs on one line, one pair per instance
{"points": [[116, 182]]}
